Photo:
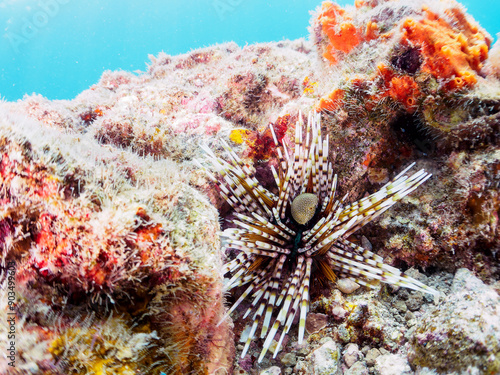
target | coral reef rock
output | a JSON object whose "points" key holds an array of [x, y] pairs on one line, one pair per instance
{"points": [[109, 230], [462, 333]]}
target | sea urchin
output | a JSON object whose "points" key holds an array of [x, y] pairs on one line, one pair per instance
{"points": [[302, 230]]}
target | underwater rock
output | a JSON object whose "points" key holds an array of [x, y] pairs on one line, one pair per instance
{"points": [[289, 359], [322, 361], [389, 96], [351, 354], [103, 209], [399, 89], [316, 322], [101, 204], [371, 356], [325, 359], [274, 370], [431, 49], [492, 65], [358, 368], [461, 333], [392, 364], [88, 225], [95, 346]]}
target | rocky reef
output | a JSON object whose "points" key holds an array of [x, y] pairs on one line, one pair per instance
{"points": [[109, 230], [101, 241]]}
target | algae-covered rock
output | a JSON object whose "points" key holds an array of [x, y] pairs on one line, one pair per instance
{"points": [[112, 231], [389, 95], [92, 231], [392, 364], [322, 361], [462, 333]]}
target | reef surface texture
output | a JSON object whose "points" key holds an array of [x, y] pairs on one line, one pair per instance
{"points": [[109, 230]]}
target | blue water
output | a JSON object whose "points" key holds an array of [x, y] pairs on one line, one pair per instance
{"points": [[59, 48]]}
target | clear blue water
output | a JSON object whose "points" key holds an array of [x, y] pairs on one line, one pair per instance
{"points": [[59, 48]]}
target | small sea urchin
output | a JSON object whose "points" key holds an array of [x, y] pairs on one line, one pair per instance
{"points": [[302, 230]]}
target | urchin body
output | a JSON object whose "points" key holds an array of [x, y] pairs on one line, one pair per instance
{"points": [[301, 231]]}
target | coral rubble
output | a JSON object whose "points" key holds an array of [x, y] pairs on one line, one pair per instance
{"points": [[109, 232]]}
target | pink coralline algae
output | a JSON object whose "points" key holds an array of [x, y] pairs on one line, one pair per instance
{"points": [[113, 229]]}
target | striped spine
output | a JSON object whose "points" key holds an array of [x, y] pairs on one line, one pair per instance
{"points": [[276, 254]]}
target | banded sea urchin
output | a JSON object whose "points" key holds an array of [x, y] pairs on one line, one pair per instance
{"points": [[284, 237]]}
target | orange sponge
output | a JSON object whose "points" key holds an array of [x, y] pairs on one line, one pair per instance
{"points": [[332, 101], [337, 25], [401, 88], [405, 90], [452, 56]]}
